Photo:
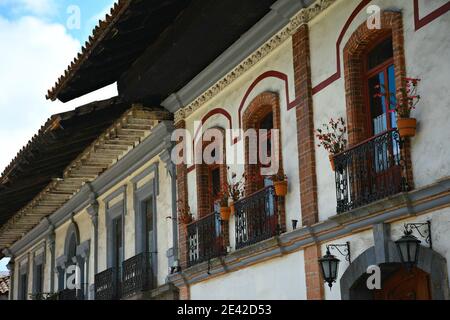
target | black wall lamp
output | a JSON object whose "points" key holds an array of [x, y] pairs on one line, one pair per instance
{"points": [[408, 245], [329, 264]]}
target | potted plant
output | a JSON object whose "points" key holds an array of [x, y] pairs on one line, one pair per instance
{"points": [[184, 213], [333, 138], [280, 183], [225, 210], [234, 190], [406, 100]]}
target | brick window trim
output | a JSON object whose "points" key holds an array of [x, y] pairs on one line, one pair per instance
{"points": [[203, 184], [260, 107], [355, 49], [203, 180]]}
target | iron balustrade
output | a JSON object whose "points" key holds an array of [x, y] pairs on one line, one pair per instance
{"points": [[370, 171], [204, 239], [137, 274], [257, 217], [70, 295], [106, 285]]}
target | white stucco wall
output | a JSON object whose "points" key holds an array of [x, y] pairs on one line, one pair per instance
{"points": [[280, 60], [281, 278], [361, 241], [427, 54], [164, 225]]}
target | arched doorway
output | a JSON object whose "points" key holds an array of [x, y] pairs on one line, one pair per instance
{"points": [[428, 280], [405, 285]]}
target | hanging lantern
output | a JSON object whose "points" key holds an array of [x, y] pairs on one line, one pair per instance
{"points": [[330, 266], [408, 248]]}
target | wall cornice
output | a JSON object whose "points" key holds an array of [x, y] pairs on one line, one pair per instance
{"points": [[306, 11]]}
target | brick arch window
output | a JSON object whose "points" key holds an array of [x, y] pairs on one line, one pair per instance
{"points": [[377, 164], [210, 179], [262, 113], [373, 57]]}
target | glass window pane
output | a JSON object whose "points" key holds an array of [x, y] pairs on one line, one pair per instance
{"points": [[392, 91], [381, 53], [378, 104]]}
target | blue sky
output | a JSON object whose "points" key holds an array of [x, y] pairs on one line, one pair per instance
{"points": [[39, 39], [58, 11]]}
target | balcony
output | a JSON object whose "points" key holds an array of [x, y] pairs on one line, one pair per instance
{"points": [[70, 295], [205, 240], [370, 171], [106, 285], [137, 275], [257, 218]]}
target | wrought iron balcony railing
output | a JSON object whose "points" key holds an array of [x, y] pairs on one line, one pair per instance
{"points": [[137, 274], [370, 171], [204, 239], [106, 285], [70, 295], [256, 218]]}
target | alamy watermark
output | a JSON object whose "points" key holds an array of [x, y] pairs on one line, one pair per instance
{"points": [[261, 147]]}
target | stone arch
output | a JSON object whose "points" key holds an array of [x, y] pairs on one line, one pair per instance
{"points": [[72, 233], [353, 280]]}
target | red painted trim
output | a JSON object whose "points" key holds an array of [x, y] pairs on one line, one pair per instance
{"points": [[422, 22], [211, 113], [344, 30], [419, 23], [268, 74]]}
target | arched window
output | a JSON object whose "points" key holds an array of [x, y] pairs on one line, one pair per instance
{"points": [[72, 242], [380, 77], [72, 248], [211, 177], [262, 114]]}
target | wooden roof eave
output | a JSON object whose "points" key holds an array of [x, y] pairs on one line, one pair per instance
{"points": [[76, 174]]}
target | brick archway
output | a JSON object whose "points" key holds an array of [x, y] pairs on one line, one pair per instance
{"points": [[356, 47], [204, 189], [358, 44], [262, 105]]}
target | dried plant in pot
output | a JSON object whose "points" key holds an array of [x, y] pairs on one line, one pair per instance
{"points": [[280, 182], [332, 137], [184, 213], [235, 190], [402, 103]]}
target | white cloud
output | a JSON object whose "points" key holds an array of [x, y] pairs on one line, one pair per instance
{"points": [[37, 7], [3, 263], [34, 54]]}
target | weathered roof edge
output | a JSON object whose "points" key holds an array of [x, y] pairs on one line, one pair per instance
{"points": [[51, 124], [158, 140], [159, 115], [99, 32]]}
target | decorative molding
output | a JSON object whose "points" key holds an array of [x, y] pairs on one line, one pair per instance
{"points": [[303, 16], [420, 22]]}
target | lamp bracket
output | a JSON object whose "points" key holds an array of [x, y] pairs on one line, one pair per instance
{"points": [[343, 249], [425, 234]]}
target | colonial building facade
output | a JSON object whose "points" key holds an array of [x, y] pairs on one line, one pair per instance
{"points": [[97, 197]]}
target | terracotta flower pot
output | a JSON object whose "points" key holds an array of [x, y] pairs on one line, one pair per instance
{"points": [[332, 162], [225, 213], [407, 127], [281, 188], [185, 219]]}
